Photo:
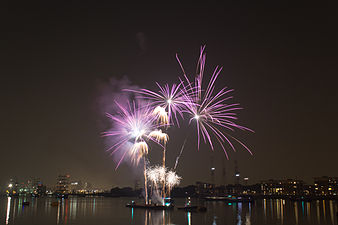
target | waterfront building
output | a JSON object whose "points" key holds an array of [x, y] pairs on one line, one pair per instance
{"points": [[76, 187], [282, 187], [326, 185], [204, 189], [63, 184]]}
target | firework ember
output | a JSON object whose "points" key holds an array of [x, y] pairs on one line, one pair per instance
{"points": [[161, 115], [139, 150], [159, 136], [172, 179], [156, 174]]}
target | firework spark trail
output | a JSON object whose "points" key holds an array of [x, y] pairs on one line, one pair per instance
{"points": [[134, 126], [131, 126], [145, 180], [159, 136], [156, 174], [209, 109], [179, 156], [161, 115], [169, 102], [172, 179], [172, 98], [139, 150]]}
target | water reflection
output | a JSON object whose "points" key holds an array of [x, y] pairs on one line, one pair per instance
{"points": [[296, 211], [8, 209], [189, 218], [318, 212], [73, 208], [248, 216], [214, 221], [15, 202], [158, 217], [264, 205], [282, 210], [58, 215], [308, 211], [100, 210], [331, 211], [239, 214]]}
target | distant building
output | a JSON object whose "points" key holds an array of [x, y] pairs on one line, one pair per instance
{"points": [[63, 184], [282, 187], [75, 186], [204, 189], [326, 185], [12, 187], [41, 190]]}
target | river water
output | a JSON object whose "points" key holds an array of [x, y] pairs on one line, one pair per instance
{"points": [[101, 210]]}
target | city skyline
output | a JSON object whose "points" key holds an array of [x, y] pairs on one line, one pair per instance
{"points": [[321, 187], [218, 180]]}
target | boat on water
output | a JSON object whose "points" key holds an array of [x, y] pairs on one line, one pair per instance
{"points": [[168, 204], [161, 207], [191, 208], [229, 198]]}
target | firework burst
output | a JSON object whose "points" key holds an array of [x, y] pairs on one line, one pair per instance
{"points": [[161, 115], [156, 175], [172, 179], [170, 98], [209, 109], [159, 136], [131, 126]]}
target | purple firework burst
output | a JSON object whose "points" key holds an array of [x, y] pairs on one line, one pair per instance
{"points": [[171, 98], [131, 126], [210, 109]]}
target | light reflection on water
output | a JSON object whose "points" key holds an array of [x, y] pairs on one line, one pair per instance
{"points": [[99, 210], [189, 218], [239, 213], [8, 209]]}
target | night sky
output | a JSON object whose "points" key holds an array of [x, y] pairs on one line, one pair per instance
{"points": [[61, 63]]}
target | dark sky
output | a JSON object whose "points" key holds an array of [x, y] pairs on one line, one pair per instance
{"points": [[57, 61]]}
